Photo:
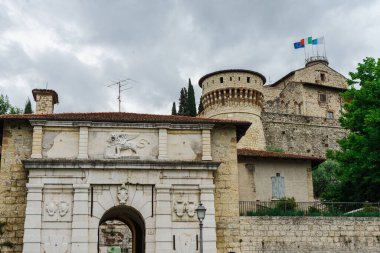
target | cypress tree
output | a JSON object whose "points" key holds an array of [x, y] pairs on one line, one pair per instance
{"points": [[191, 109], [28, 107], [182, 102], [200, 106], [174, 109]]}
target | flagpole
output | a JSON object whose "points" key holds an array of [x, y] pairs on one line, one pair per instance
{"points": [[324, 45], [304, 52]]}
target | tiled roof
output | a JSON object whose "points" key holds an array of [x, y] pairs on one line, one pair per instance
{"points": [[279, 155], [122, 117]]}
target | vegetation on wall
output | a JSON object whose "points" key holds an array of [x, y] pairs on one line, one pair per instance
{"points": [[357, 176], [4, 243]]}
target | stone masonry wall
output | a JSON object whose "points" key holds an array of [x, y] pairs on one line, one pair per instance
{"points": [[44, 104], [302, 134], [226, 190], [17, 143], [309, 234]]}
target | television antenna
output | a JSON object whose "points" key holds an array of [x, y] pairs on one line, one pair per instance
{"points": [[122, 86]]}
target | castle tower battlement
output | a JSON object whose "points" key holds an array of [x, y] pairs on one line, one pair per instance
{"points": [[236, 94]]}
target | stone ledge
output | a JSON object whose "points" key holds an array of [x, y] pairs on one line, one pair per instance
{"points": [[119, 164]]}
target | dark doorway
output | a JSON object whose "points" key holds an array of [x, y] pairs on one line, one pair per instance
{"points": [[125, 230]]}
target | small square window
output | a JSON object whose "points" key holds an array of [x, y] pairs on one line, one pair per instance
{"points": [[322, 97], [330, 115], [248, 79], [230, 78], [221, 80], [239, 78], [323, 77]]}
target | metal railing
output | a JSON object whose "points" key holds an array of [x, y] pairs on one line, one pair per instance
{"points": [[292, 208]]}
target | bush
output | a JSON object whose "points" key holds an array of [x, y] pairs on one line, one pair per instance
{"points": [[286, 204]]}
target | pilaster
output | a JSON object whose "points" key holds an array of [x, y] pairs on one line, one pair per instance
{"points": [[163, 219], [163, 143], [206, 145], [33, 219], [83, 143], [37, 138], [80, 222]]}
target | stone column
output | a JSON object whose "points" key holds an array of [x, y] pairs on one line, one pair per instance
{"points": [[80, 219], [33, 219], [37, 138], [209, 226], [83, 143], [163, 141], [206, 144], [164, 238]]}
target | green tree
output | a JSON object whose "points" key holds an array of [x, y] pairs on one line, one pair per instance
{"points": [[200, 106], [182, 102], [6, 107], [174, 109], [4, 243], [324, 179], [28, 107], [358, 176], [191, 108]]}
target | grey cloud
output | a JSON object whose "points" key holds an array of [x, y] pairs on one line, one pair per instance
{"points": [[163, 43]]}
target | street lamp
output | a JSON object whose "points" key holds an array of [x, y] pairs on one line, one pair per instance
{"points": [[201, 213]]}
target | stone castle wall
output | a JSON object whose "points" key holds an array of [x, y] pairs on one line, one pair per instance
{"points": [[17, 145], [309, 234], [226, 190], [302, 134]]}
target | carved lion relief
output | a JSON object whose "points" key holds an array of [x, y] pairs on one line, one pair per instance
{"points": [[118, 142]]}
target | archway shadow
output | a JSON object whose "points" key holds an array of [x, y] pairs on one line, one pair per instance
{"points": [[133, 219]]}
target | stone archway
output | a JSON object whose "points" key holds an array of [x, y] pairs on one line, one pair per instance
{"points": [[132, 219]]}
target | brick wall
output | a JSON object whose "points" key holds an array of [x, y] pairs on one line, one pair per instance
{"points": [[17, 143], [309, 234]]}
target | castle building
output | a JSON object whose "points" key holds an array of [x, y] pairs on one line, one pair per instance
{"points": [[85, 182]]}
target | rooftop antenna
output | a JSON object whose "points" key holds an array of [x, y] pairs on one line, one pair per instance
{"points": [[122, 85]]}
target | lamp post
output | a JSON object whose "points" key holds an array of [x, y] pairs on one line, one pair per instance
{"points": [[201, 213]]}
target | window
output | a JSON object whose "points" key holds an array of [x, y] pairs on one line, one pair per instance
{"points": [[239, 78], [330, 115], [322, 97], [221, 80], [278, 187], [248, 79], [323, 77], [230, 78]]}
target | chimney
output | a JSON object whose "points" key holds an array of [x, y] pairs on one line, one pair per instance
{"points": [[45, 100]]}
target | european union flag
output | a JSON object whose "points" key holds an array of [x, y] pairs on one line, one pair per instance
{"points": [[298, 45]]}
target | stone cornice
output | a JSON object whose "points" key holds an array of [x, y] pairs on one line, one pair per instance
{"points": [[52, 123], [119, 164]]}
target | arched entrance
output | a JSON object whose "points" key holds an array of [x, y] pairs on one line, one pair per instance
{"points": [[125, 226]]}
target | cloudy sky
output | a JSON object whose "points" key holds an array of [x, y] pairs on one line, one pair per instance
{"points": [[78, 47]]}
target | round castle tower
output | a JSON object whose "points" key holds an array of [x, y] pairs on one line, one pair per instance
{"points": [[236, 94]]}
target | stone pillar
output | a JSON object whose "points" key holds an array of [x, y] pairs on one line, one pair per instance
{"points": [[33, 219], [164, 238], [163, 142], [206, 145], [83, 143], [209, 226], [80, 219], [37, 138]]}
